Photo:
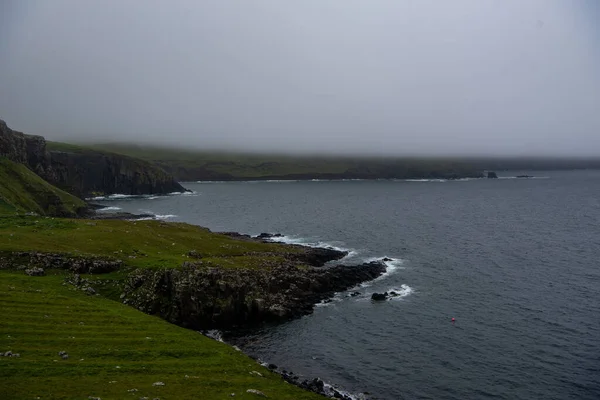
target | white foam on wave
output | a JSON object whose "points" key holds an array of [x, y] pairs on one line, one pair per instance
{"points": [[523, 178], [424, 180], [187, 193], [165, 216], [309, 243], [110, 209], [119, 196], [391, 267], [403, 291], [116, 196]]}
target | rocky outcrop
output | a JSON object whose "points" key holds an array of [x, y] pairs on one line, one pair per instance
{"points": [[200, 297], [492, 175], [44, 261], [24, 149], [85, 172]]}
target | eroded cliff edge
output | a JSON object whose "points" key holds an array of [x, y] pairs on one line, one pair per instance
{"points": [[84, 172]]}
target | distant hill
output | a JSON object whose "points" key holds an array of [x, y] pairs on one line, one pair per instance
{"points": [[190, 165]]}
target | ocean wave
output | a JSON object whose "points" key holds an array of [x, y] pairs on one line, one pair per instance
{"points": [[166, 216], [424, 180], [321, 244], [523, 178], [109, 209], [403, 291], [392, 266], [119, 196]]}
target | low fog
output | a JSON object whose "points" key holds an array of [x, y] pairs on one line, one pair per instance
{"points": [[477, 77]]}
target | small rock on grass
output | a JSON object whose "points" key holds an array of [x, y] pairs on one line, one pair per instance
{"points": [[256, 392], [158, 384]]}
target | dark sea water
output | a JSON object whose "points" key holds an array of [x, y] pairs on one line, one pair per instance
{"points": [[515, 261]]}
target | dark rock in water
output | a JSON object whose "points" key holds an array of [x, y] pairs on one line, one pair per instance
{"points": [[386, 259], [524, 176], [269, 235], [317, 256], [35, 271], [354, 294], [272, 366], [393, 294], [492, 175], [379, 296]]}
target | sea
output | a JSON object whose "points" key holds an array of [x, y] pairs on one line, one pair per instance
{"points": [[515, 262]]}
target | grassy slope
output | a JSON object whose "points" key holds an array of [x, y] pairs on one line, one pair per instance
{"points": [[145, 244], [41, 318], [21, 190]]}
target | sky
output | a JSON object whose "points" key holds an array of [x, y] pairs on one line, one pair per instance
{"points": [[393, 77]]}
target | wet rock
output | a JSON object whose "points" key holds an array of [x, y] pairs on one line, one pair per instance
{"points": [[272, 367], [379, 296], [354, 294], [35, 271], [268, 235]]}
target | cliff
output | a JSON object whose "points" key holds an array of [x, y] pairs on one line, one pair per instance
{"points": [[87, 172], [82, 171]]}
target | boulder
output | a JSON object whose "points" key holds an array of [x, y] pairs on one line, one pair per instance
{"points": [[35, 271], [379, 296]]}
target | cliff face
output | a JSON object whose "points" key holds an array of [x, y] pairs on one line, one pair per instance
{"points": [[89, 172], [24, 149], [85, 172]]}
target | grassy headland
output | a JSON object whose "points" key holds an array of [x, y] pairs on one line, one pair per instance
{"points": [[140, 244]]}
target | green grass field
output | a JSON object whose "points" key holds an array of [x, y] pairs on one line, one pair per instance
{"points": [[140, 244], [115, 352]]}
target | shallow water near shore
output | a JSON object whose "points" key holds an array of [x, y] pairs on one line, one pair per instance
{"points": [[514, 261]]}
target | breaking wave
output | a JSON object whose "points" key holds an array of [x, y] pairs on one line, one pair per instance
{"points": [[310, 243], [119, 196]]}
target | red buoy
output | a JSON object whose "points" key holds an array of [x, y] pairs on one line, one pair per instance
{"points": [[453, 319]]}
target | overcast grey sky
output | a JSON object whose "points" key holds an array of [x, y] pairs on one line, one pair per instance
{"points": [[376, 76]]}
